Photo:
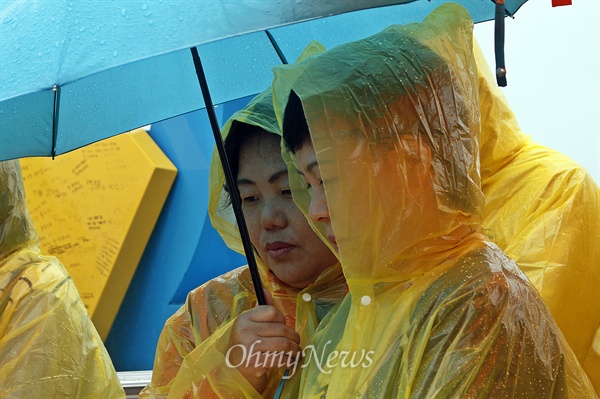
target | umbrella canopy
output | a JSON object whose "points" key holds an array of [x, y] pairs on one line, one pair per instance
{"points": [[76, 72]]}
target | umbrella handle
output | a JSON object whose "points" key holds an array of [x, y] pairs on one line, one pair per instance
{"points": [[499, 43], [235, 195]]}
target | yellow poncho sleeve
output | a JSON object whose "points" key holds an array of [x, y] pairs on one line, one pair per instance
{"points": [[190, 356]]}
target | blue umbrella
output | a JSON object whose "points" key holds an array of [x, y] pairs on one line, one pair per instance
{"points": [[77, 72]]}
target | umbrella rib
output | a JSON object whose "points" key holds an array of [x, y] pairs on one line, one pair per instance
{"points": [[235, 196], [276, 47]]}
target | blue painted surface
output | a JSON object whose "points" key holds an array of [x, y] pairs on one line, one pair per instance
{"points": [[184, 249]]}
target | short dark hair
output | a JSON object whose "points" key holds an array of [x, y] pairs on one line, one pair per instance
{"points": [[295, 127], [239, 133]]}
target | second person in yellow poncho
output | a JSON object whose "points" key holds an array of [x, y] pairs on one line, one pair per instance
{"points": [[543, 210], [391, 179]]}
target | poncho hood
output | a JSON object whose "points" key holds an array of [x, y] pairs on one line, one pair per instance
{"points": [[16, 229], [394, 122]]}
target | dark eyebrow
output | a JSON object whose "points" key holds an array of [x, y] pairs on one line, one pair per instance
{"points": [[271, 180], [244, 181], [277, 175], [309, 167], [312, 165]]}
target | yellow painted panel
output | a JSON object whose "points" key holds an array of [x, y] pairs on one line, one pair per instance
{"points": [[95, 208]]}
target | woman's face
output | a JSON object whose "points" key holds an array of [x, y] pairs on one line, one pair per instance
{"points": [[280, 233], [318, 210]]}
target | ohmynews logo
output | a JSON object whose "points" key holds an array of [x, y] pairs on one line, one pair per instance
{"points": [[290, 361]]}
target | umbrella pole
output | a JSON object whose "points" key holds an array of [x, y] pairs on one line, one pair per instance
{"points": [[56, 90], [235, 195]]}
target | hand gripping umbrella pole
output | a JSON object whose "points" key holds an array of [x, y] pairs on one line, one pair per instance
{"points": [[235, 195]]}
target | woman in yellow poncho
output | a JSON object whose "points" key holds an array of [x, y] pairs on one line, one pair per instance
{"points": [[543, 210], [49, 347], [391, 179], [192, 354]]}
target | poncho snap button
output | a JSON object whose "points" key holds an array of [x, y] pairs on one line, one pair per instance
{"points": [[365, 300]]}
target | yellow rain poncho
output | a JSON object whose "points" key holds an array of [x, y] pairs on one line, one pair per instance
{"points": [[190, 359], [434, 308], [49, 347], [543, 210]]}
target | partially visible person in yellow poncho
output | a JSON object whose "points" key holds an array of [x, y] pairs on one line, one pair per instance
{"points": [[49, 347], [543, 210], [301, 274], [384, 133]]}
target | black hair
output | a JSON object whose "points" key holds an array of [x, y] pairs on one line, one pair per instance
{"points": [[239, 133], [295, 127]]}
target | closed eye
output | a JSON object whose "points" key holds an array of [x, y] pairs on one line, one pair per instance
{"points": [[309, 186], [249, 199]]}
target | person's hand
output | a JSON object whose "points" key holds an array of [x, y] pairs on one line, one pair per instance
{"points": [[259, 331]]}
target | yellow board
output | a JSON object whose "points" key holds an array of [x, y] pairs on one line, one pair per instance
{"points": [[95, 208]]}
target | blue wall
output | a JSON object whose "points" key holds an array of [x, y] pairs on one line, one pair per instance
{"points": [[184, 249]]}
